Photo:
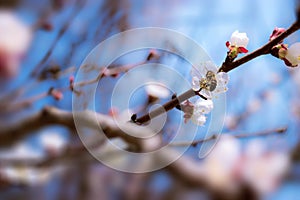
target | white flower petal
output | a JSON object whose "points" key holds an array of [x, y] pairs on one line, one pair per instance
{"points": [[222, 78], [198, 119], [293, 54], [239, 39], [220, 89], [53, 141], [203, 106], [198, 72], [15, 36], [156, 89], [210, 66], [195, 83], [206, 93]]}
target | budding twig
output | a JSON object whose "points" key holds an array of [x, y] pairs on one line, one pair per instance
{"points": [[226, 67], [266, 49]]}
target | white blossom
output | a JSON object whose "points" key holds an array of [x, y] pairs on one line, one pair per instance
{"points": [[261, 169], [239, 39], [220, 164], [198, 119], [26, 175], [21, 151], [228, 165], [201, 108], [200, 75], [157, 90], [15, 38], [293, 54], [52, 141], [196, 112]]}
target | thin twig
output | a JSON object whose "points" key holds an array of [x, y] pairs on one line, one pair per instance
{"points": [[61, 32], [107, 71], [240, 135]]}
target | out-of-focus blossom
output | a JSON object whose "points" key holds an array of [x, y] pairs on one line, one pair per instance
{"points": [[269, 95], [276, 32], [263, 170], [209, 80], [156, 90], [276, 78], [254, 105], [25, 175], [15, 38], [292, 57], [231, 121], [53, 142], [21, 151], [295, 108], [228, 166], [237, 44], [220, 165]]}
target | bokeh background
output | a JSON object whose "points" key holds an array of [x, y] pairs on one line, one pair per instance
{"points": [[263, 95]]}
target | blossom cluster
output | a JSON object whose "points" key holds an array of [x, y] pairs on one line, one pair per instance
{"points": [[208, 83]]}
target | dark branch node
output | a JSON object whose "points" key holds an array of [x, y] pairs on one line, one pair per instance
{"points": [[133, 118]]}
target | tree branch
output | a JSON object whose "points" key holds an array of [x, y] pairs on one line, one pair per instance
{"points": [[167, 106], [10, 134], [226, 67]]}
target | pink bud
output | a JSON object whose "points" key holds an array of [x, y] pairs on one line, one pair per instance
{"points": [[71, 79], [153, 54], [58, 95], [46, 26], [227, 44], [276, 33], [113, 112], [188, 108], [115, 75]]}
